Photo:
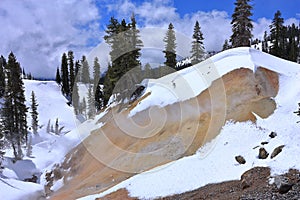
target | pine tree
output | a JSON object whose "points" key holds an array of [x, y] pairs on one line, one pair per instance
{"points": [[198, 50], [85, 70], [82, 109], [96, 87], [65, 76], [226, 45], [147, 71], [2, 75], [1, 145], [265, 47], [56, 130], [14, 108], [125, 44], [241, 24], [96, 73], [91, 103], [48, 130], [71, 70], [57, 77], [292, 47], [170, 47], [277, 35], [135, 44], [77, 71], [34, 113], [75, 99], [107, 85]]}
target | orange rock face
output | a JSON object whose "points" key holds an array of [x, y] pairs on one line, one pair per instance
{"points": [[126, 146]]}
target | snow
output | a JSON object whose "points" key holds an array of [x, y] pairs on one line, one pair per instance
{"points": [[11, 189], [47, 148], [215, 161], [190, 82]]}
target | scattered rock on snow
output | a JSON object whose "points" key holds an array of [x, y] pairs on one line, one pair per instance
{"points": [[240, 159], [263, 143], [272, 134], [276, 151], [263, 154]]}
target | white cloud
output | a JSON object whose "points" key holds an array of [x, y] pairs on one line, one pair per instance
{"points": [[39, 31], [260, 26], [290, 21]]}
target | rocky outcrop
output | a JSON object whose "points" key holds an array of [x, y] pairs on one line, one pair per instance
{"points": [[254, 184], [126, 145]]}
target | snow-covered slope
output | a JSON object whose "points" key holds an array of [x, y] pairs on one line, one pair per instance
{"points": [[215, 161], [47, 148], [190, 82]]}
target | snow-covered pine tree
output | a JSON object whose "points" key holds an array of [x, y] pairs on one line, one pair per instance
{"points": [[170, 47], [2, 75], [14, 108], [85, 70], [198, 50], [241, 24], [65, 76], [265, 47], [34, 113]]}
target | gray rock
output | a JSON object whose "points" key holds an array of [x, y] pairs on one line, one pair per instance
{"points": [[240, 159], [276, 151], [282, 184]]}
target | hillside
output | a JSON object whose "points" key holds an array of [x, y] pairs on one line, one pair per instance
{"points": [[183, 133], [47, 148], [171, 122]]}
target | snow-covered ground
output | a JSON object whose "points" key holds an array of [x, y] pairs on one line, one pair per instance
{"points": [[47, 148], [215, 162]]}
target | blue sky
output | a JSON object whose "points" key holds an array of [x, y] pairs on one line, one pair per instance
{"points": [[38, 32], [261, 8]]}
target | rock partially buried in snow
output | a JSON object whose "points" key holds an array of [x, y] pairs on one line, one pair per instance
{"points": [[263, 154], [273, 134], [276, 151], [240, 159]]}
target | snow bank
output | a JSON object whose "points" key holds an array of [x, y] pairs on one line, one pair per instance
{"points": [[190, 82], [11, 189]]}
